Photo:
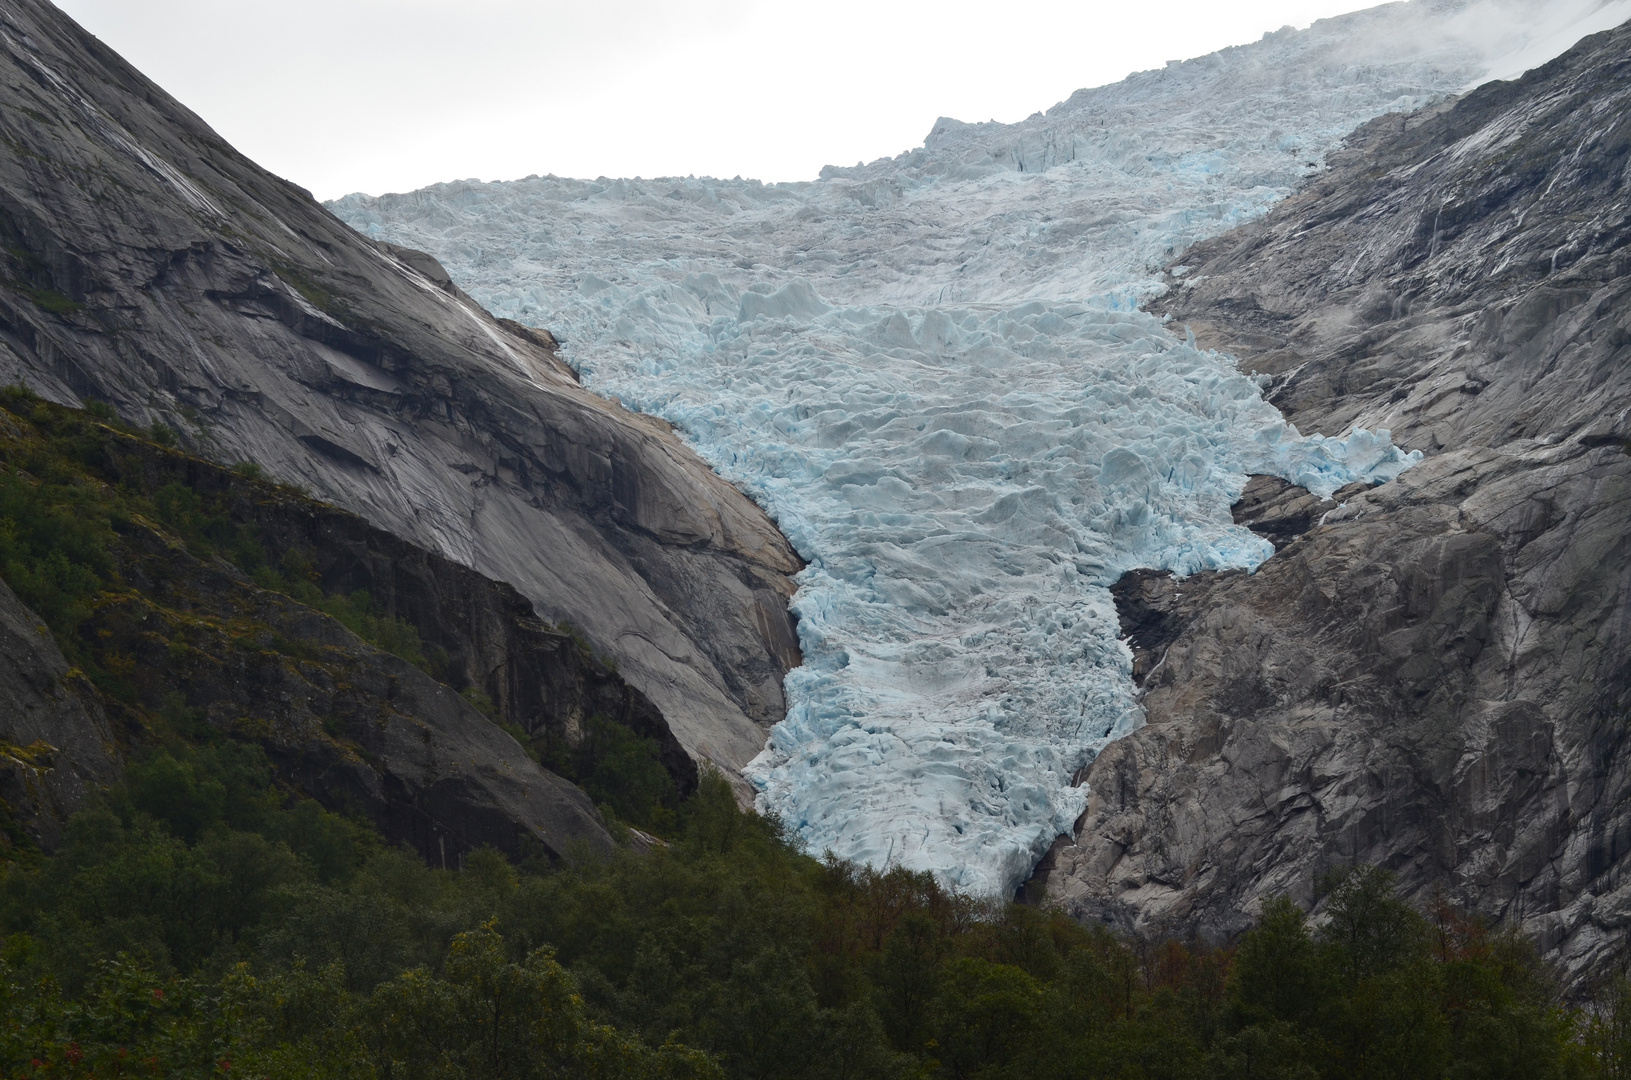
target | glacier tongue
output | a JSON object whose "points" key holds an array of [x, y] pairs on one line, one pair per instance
{"points": [[932, 372]]}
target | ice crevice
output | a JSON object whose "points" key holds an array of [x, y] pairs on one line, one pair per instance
{"points": [[933, 372]]}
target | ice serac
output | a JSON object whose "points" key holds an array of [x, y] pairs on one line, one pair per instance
{"points": [[931, 370], [149, 264], [1432, 676]]}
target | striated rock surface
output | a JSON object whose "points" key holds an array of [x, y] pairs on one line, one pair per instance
{"points": [[147, 263], [1433, 675]]}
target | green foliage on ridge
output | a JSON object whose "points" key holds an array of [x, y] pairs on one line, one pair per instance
{"points": [[64, 506], [620, 769]]}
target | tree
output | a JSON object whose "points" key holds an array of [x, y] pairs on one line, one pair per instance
{"points": [[493, 1019], [984, 1015], [908, 976], [1368, 931], [1277, 974]]}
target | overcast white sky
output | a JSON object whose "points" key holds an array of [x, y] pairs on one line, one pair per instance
{"points": [[390, 95]]}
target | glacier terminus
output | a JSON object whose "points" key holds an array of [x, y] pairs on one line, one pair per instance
{"points": [[933, 372]]}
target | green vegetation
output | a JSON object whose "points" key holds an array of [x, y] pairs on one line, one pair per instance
{"points": [[47, 299], [203, 919], [199, 917], [620, 769], [355, 611], [169, 938], [67, 504], [315, 292]]}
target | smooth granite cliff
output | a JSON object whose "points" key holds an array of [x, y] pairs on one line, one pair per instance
{"points": [[148, 264], [1433, 675]]}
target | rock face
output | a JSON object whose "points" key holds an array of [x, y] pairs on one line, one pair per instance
{"points": [[55, 743], [1433, 675], [147, 263], [543, 679], [182, 644]]}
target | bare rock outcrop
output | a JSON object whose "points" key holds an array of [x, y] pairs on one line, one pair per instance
{"points": [[1435, 674], [146, 263]]}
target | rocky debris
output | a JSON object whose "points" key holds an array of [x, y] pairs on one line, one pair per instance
{"points": [[55, 744], [1433, 677], [146, 263]]}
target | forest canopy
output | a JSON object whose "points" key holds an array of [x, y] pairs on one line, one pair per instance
{"points": [[199, 923]]}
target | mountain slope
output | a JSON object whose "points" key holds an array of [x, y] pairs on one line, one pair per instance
{"points": [[55, 744], [1431, 674], [201, 607], [148, 264]]}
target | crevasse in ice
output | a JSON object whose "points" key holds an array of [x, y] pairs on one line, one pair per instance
{"points": [[932, 372]]}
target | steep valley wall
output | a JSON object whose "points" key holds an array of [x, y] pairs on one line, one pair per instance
{"points": [[1433, 675]]}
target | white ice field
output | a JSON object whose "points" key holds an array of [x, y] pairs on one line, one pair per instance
{"points": [[933, 373]]}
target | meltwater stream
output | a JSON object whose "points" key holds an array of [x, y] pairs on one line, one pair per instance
{"points": [[932, 372]]}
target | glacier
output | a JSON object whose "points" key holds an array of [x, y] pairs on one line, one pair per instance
{"points": [[933, 372]]}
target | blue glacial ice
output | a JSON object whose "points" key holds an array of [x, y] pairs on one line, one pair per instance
{"points": [[933, 373]]}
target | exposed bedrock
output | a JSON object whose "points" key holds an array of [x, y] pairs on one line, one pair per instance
{"points": [[1433, 675], [360, 730], [149, 264], [364, 731], [545, 680]]}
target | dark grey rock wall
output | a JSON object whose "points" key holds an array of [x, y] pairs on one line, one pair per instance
{"points": [[184, 642], [1434, 675], [541, 678]]}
